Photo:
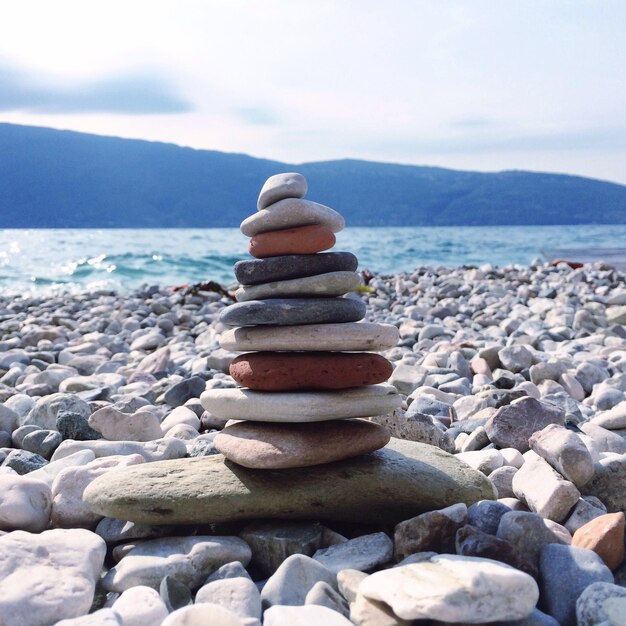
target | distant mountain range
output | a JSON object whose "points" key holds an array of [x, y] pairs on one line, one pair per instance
{"points": [[63, 179]]}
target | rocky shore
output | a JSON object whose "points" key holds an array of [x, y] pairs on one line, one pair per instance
{"points": [[500, 497]]}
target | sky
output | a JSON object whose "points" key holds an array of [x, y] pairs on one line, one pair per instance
{"points": [[467, 84]]}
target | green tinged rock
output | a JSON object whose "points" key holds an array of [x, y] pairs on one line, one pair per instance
{"points": [[387, 486]]}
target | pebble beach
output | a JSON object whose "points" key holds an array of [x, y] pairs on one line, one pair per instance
{"points": [[464, 463]]}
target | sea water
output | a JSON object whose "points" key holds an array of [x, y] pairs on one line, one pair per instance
{"points": [[52, 260]]}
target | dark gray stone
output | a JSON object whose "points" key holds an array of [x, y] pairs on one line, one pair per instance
{"points": [[293, 312], [75, 426], [23, 461], [174, 594], [486, 515], [184, 390], [566, 571], [513, 424], [42, 442], [272, 542], [470, 541], [5, 439], [258, 271]]}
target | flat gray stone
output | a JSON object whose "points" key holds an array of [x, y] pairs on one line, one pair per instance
{"points": [[322, 285], [409, 478], [293, 312], [302, 406], [361, 553], [290, 213], [281, 186], [289, 266], [361, 337]]}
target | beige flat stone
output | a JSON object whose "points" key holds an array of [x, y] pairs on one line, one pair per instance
{"points": [[330, 284], [348, 337], [402, 480], [290, 213], [302, 406], [273, 446]]}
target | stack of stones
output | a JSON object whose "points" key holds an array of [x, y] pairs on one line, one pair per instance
{"points": [[310, 370]]}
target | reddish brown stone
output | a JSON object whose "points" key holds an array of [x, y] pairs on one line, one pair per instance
{"points": [[300, 240], [268, 445], [289, 371], [605, 536]]}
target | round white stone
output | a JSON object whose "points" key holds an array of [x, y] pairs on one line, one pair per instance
{"points": [[25, 503], [203, 615], [309, 615], [49, 576], [140, 606], [452, 588]]}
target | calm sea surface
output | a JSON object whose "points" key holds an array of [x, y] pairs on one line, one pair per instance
{"points": [[75, 259]]}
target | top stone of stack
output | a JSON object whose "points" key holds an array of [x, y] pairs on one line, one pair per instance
{"points": [[281, 186], [280, 206]]}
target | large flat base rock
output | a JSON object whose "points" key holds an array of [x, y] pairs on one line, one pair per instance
{"points": [[387, 486]]}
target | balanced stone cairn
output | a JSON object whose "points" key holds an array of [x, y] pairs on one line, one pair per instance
{"points": [[309, 369]]}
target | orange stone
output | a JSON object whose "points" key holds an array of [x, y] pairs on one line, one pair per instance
{"points": [[301, 240], [605, 536], [288, 371]]}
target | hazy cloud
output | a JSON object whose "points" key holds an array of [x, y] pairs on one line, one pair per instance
{"points": [[472, 122], [258, 116], [588, 139], [132, 94]]}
